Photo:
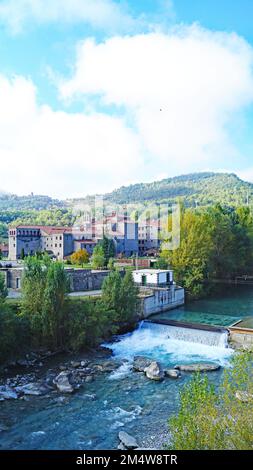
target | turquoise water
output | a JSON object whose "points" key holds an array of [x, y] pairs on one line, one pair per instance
{"points": [[229, 305], [124, 400]]}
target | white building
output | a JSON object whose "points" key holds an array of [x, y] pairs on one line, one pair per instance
{"points": [[153, 277], [158, 291]]}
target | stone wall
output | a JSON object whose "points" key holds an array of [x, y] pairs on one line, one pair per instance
{"points": [[80, 279], [86, 279], [241, 338], [161, 300]]}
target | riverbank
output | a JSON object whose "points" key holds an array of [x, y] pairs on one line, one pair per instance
{"points": [[119, 399]]}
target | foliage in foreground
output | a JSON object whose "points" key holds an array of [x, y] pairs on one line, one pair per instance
{"points": [[48, 318], [210, 419]]}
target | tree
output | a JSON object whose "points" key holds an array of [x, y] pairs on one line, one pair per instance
{"points": [[129, 298], [119, 298], [3, 289], [44, 286], [22, 254], [111, 293], [110, 264], [98, 257], [56, 287], [32, 303], [80, 257], [216, 419], [108, 248]]}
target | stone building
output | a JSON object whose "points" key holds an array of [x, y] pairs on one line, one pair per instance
{"points": [[27, 240]]}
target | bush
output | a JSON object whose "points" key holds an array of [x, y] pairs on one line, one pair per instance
{"points": [[14, 333], [216, 420]]}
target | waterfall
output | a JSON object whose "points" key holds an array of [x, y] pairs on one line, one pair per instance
{"points": [[172, 345], [210, 338]]}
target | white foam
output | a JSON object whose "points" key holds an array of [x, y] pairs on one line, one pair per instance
{"points": [[123, 371], [173, 344]]}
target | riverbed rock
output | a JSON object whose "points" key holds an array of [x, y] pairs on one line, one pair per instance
{"points": [[198, 367], [141, 363], [89, 378], [129, 442], [244, 396], [75, 364], [33, 388], [154, 371], [172, 373], [8, 393], [62, 382]]}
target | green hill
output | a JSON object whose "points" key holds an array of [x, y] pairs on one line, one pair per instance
{"points": [[200, 189], [13, 202]]}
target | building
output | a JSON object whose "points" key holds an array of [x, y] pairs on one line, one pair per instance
{"points": [[149, 241], [27, 240], [61, 242], [158, 291], [4, 250], [153, 277]]}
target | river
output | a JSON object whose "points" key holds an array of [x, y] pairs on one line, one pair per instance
{"points": [[126, 400]]}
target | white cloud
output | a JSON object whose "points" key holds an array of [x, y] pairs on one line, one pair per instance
{"points": [[181, 90], [175, 99], [101, 14], [59, 153]]}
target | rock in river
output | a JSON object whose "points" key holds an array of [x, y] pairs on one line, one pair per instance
{"points": [[154, 371], [7, 393], [62, 382], [127, 441], [172, 373], [198, 367], [141, 363]]}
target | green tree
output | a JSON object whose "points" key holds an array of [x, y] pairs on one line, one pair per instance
{"points": [[33, 288], [129, 303], [216, 419], [119, 298], [108, 248], [110, 264], [3, 290], [98, 259], [56, 288]]}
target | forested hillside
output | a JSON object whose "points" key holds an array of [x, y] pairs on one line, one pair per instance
{"points": [[13, 202], [202, 189], [193, 190]]}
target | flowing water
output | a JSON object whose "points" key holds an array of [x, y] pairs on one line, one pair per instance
{"points": [[124, 399]]}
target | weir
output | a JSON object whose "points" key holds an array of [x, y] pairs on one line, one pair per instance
{"points": [[192, 332]]}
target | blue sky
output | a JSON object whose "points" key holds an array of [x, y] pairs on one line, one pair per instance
{"points": [[96, 94]]}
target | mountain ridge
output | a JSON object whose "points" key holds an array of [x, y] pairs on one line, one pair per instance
{"points": [[193, 189]]}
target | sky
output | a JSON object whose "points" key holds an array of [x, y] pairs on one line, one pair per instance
{"points": [[96, 94]]}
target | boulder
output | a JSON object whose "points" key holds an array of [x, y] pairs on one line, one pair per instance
{"points": [[33, 388], [141, 363], [7, 393], [244, 396], [62, 382], [127, 441], [89, 378], [84, 363], [154, 371], [172, 373], [198, 367], [75, 364]]}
